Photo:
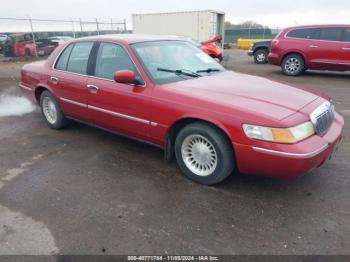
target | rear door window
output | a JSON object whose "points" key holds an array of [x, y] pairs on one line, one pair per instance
{"points": [[79, 57], [305, 33], [346, 37], [331, 34], [63, 59]]}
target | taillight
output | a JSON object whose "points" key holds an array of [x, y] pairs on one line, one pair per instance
{"points": [[275, 42]]}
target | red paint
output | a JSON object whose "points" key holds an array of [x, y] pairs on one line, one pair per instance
{"points": [[211, 48], [225, 99], [124, 77], [23, 45], [318, 54]]}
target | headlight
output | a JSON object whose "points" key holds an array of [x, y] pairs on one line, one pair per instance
{"points": [[280, 135]]}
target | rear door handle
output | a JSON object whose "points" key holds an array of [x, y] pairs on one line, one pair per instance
{"points": [[313, 46], [54, 79], [92, 88], [346, 48]]}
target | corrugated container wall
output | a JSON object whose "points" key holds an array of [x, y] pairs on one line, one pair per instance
{"points": [[199, 25]]}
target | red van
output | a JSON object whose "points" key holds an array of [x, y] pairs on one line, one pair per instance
{"points": [[321, 47]]}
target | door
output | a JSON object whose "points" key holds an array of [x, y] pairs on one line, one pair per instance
{"points": [[324, 52], [68, 80], [345, 49], [122, 108]]}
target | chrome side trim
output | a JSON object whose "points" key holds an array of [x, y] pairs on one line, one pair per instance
{"points": [[140, 120], [119, 115], [73, 102], [293, 155], [25, 87]]}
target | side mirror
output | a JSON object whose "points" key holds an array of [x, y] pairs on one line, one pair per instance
{"points": [[125, 77]]}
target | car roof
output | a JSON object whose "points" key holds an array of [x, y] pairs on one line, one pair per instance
{"points": [[316, 26], [131, 38]]}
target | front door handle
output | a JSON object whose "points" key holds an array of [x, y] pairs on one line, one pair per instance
{"points": [[346, 48], [92, 88], [313, 46], [54, 79]]}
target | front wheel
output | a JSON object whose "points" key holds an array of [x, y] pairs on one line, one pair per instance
{"points": [[293, 65], [260, 56], [52, 111], [204, 154]]}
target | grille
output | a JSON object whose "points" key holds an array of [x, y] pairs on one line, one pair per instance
{"points": [[322, 118]]}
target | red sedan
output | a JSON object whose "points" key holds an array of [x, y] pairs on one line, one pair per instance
{"points": [[167, 92]]}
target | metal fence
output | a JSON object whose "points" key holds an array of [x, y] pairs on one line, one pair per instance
{"points": [[70, 27], [231, 35]]}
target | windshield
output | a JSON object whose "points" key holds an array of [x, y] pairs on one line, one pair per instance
{"points": [[172, 61]]}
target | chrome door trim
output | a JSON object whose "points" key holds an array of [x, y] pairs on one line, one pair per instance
{"points": [[293, 155], [140, 120], [133, 118], [73, 102]]}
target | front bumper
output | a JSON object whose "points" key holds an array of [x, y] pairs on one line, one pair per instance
{"points": [[251, 52], [289, 161]]}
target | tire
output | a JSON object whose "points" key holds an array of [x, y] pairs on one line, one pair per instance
{"points": [[52, 112], [27, 52], [260, 56], [216, 160], [293, 65]]}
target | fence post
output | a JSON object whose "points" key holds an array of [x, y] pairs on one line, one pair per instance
{"points": [[73, 28], [97, 27], [81, 25], [112, 25], [124, 25], [249, 32], [264, 32], [33, 36]]}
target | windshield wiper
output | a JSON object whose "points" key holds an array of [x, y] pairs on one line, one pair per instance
{"points": [[184, 72], [208, 70]]}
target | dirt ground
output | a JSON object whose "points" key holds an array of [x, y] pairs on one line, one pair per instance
{"points": [[85, 191]]}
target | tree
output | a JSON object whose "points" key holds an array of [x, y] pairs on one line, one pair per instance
{"points": [[246, 24]]}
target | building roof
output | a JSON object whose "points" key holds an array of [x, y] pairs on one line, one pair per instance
{"points": [[198, 11]]}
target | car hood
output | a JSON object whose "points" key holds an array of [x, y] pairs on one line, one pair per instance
{"points": [[230, 90]]}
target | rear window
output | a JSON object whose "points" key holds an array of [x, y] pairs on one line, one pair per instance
{"points": [[306, 33], [331, 34], [346, 35]]}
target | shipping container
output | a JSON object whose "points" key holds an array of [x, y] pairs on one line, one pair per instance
{"points": [[199, 25]]}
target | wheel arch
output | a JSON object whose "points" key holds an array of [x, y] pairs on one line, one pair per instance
{"points": [[179, 124], [39, 90], [265, 48], [294, 52]]}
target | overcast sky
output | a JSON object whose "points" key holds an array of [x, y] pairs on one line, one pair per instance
{"points": [[274, 13]]}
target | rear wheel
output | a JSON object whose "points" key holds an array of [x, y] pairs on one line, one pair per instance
{"points": [[51, 111], [260, 56], [204, 154], [293, 65]]}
